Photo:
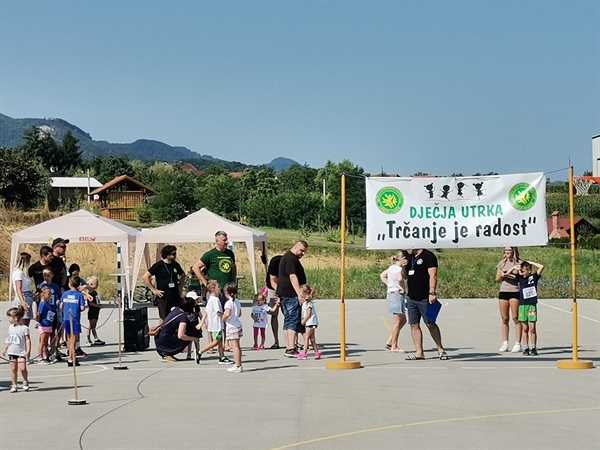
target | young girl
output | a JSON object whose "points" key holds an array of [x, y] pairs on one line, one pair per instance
{"points": [[74, 270], [214, 317], [94, 305], [233, 324], [45, 316], [53, 301], [259, 315], [22, 286], [309, 320], [18, 347], [194, 325]]}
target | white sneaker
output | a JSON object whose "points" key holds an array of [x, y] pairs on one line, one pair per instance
{"points": [[517, 348], [504, 347], [13, 389], [235, 369], [25, 386]]}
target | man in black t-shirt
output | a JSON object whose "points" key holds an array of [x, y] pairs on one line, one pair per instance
{"points": [[170, 279], [36, 269], [420, 270], [271, 282], [289, 279], [59, 250]]}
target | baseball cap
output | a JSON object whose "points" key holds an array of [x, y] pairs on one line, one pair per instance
{"points": [[192, 294], [59, 241]]}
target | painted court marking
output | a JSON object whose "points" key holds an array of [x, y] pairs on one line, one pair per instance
{"points": [[568, 312], [431, 422]]}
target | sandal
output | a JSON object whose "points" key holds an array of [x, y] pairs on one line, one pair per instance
{"points": [[444, 356], [388, 346], [396, 350], [413, 357]]}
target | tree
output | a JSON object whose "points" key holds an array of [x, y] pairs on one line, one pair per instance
{"points": [[299, 178], [221, 194], [68, 155], [175, 197], [24, 181], [40, 144], [105, 168]]}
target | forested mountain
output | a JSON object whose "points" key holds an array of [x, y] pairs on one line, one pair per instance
{"points": [[13, 130]]}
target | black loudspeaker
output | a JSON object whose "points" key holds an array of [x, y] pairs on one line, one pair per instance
{"points": [[135, 326]]}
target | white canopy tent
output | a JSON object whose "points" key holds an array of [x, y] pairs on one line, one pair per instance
{"points": [[79, 227], [200, 226]]}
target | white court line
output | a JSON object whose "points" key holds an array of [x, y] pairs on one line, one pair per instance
{"points": [[569, 312], [70, 372]]}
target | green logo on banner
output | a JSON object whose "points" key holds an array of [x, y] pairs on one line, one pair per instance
{"points": [[389, 200], [522, 196]]}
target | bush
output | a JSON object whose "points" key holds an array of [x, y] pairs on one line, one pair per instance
{"points": [[589, 242], [144, 214]]}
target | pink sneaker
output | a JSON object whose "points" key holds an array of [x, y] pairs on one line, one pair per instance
{"points": [[261, 347], [301, 356], [255, 347], [318, 355]]}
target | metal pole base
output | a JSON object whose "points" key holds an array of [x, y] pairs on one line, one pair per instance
{"points": [[575, 365], [77, 402], [120, 367], [343, 365]]}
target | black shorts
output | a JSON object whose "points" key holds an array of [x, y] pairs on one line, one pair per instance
{"points": [[508, 295], [165, 305], [93, 313]]}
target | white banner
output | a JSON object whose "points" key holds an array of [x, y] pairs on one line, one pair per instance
{"points": [[465, 212]]}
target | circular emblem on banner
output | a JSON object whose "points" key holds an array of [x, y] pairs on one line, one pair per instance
{"points": [[522, 196], [389, 200]]}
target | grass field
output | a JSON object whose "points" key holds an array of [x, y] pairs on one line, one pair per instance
{"points": [[463, 273]]}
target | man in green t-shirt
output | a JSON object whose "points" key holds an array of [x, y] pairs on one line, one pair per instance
{"points": [[219, 263]]}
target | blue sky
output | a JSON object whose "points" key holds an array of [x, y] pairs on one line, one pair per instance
{"points": [[432, 86]]}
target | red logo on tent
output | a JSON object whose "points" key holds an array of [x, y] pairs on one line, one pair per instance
{"points": [[87, 239]]}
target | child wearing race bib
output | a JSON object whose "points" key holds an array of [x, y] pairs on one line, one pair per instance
{"points": [[528, 298], [310, 321], [18, 347], [46, 312], [260, 311]]}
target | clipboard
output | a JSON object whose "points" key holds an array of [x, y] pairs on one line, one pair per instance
{"points": [[433, 309]]}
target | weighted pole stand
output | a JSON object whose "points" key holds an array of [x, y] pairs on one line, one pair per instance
{"points": [[76, 400], [121, 324]]}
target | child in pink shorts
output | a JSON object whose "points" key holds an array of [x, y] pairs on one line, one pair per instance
{"points": [[45, 317]]}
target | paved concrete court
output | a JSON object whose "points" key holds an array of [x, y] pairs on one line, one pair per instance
{"points": [[478, 399]]}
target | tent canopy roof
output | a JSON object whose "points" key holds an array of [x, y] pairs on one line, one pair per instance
{"points": [[201, 226], [79, 226]]}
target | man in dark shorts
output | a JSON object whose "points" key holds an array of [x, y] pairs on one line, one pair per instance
{"points": [[420, 269], [289, 279], [170, 279], [219, 263], [271, 282]]}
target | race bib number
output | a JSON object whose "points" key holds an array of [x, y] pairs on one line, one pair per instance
{"points": [[529, 292], [13, 339], [50, 316]]}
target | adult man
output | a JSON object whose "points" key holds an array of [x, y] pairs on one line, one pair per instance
{"points": [[219, 263], [271, 282], [170, 279], [36, 270], [289, 279], [420, 269], [59, 249]]}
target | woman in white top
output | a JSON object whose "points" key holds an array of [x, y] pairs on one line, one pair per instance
{"points": [[509, 297], [22, 285], [392, 278]]}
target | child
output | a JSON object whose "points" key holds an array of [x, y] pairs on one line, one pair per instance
{"points": [[233, 324], [310, 320], [74, 270], [18, 347], [72, 304], [194, 325], [528, 283], [259, 316], [214, 317], [94, 305], [53, 302], [194, 284], [45, 316]]}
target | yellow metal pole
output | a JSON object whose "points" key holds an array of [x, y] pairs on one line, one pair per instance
{"points": [[342, 363], [574, 363]]}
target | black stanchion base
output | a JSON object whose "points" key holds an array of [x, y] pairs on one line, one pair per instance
{"points": [[77, 402], [120, 368]]}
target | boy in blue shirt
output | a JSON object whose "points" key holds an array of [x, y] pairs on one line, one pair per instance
{"points": [[528, 298], [72, 303]]}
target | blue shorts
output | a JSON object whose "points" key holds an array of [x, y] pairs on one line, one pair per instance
{"points": [[76, 327], [417, 310], [291, 314], [395, 302]]}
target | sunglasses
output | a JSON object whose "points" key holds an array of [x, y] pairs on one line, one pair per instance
{"points": [[174, 254]]}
